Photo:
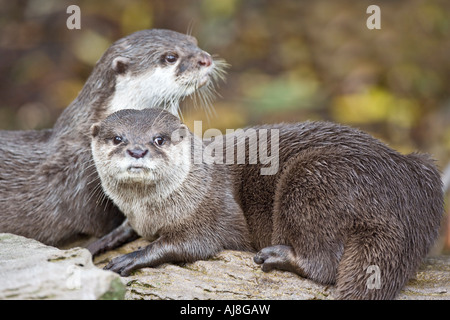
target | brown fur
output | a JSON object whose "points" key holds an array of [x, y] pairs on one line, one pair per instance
{"points": [[340, 203], [186, 208], [49, 187]]}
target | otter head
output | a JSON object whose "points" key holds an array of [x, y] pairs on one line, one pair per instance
{"points": [[158, 68], [141, 148]]}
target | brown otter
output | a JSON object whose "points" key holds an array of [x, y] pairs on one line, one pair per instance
{"points": [[342, 209], [144, 160], [49, 187]]}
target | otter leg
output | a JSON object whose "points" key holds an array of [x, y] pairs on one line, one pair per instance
{"points": [[121, 235], [179, 246], [197, 238], [309, 217], [318, 267], [158, 252], [279, 257]]}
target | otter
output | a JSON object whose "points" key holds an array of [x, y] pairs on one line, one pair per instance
{"points": [[145, 163], [49, 187], [343, 209]]}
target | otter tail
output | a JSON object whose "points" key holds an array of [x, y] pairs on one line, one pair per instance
{"points": [[379, 259], [372, 266]]}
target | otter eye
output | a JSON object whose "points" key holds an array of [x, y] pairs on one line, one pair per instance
{"points": [[171, 58], [159, 141], [117, 140]]}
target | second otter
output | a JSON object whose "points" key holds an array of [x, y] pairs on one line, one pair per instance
{"points": [[49, 188], [342, 204]]}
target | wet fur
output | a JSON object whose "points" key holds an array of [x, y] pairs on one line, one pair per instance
{"points": [[341, 201]]}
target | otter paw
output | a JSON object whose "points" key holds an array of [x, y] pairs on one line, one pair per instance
{"points": [[124, 265], [275, 257]]}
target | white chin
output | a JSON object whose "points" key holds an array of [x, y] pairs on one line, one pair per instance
{"points": [[136, 170], [203, 81], [137, 175]]}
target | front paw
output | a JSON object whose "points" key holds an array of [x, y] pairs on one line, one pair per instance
{"points": [[125, 264]]}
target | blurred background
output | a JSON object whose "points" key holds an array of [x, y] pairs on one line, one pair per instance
{"points": [[290, 61]]}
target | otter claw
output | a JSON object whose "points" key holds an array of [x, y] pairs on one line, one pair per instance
{"points": [[123, 265]]}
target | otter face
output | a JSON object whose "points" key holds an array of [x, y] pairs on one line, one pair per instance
{"points": [[141, 147], [158, 68]]}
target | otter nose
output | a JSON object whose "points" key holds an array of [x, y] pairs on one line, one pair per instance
{"points": [[137, 153], [204, 60]]}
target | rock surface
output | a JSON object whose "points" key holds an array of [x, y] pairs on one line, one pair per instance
{"points": [[32, 270], [234, 275]]}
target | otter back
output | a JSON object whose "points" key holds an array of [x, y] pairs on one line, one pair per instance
{"points": [[343, 208], [342, 204]]}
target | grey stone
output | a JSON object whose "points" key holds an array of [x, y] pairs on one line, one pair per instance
{"points": [[432, 281], [234, 275], [32, 270]]}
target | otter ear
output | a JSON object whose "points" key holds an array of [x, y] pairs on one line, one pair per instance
{"points": [[180, 134], [120, 64], [95, 128]]}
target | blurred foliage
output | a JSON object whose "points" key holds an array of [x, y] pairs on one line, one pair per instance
{"points": [[291, 60]]}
